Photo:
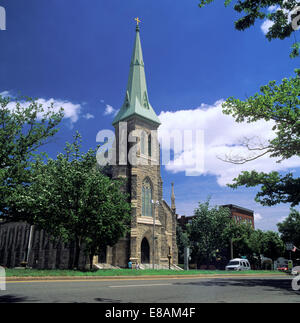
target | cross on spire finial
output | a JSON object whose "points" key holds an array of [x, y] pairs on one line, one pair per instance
{"points": [[137, 19]]}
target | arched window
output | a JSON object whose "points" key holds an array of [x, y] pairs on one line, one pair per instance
{"points": [[146, 198]]}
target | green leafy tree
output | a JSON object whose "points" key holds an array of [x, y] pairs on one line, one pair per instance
{"points": [[240, 233], [183, 241], [249, 242], [290, 228], [72, 200], [208, 230], [25, 125], [272, 245], [274, 189], [281, 17], [256, 246], [276, 102], [280, 104], [268, 243]]}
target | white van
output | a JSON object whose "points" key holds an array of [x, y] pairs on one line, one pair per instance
{"points": [[238, 264]]}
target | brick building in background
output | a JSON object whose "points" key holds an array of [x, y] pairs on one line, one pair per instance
{"points": [[241, 214], [238, 213]]}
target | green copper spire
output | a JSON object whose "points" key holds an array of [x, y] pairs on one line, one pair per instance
{"points": [[136, 99]]}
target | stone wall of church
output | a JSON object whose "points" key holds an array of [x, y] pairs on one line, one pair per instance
{"points": [[45, 253], [118, 255], [165, 223], [165, 219], [135, 175]]}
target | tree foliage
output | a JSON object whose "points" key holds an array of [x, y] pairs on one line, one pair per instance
{"points": [[212, 229], [281, 17], [183, 241], [290, 228], [25, 125], [253, 243], [281, 104], [72, 200], [272, 245], [208, 230], [274, 188], [278, 103], [240, 234]]}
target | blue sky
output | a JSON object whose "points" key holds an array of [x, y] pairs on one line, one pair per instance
{"points": [[78, 54]]}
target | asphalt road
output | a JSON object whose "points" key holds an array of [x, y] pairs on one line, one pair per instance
{"points": [[212, 290]]}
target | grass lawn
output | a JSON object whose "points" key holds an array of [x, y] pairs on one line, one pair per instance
{"points": [[125, 272]]}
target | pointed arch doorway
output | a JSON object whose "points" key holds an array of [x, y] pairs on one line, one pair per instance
{"points": [[145, 252]]}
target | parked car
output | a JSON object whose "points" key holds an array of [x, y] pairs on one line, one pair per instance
{"points": [[238, 264], [282, 262], [283, 268]]}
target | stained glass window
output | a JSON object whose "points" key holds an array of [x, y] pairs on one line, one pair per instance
{"points": [[146, 198]]}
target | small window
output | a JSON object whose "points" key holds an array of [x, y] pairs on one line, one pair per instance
{"points": [[149, 145]]}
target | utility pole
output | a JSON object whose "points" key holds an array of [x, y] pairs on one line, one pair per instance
{"points": [[186, 258], [169, 257]]}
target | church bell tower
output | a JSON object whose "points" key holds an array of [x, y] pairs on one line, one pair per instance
{"points": [[138, 161]]}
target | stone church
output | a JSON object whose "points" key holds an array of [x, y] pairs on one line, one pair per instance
{"points": [[149, 210], [152, 238]]}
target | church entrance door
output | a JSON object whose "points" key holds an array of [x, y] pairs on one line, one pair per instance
{"points": [[145, 252], [102, 256]]}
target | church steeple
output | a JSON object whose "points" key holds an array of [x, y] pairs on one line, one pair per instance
{"points": [[136, 98]]}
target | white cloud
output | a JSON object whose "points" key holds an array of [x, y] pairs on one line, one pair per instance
{"points": [[109, 110], [257, 217], [266, 25], [222, 135], [71, 111], [273, 8], [5, 93], [89, 116]]}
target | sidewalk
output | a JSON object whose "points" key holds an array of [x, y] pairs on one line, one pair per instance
{"points": [[146, 277]]}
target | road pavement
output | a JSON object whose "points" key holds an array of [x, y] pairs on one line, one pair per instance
{"points": [[273, 289]]}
